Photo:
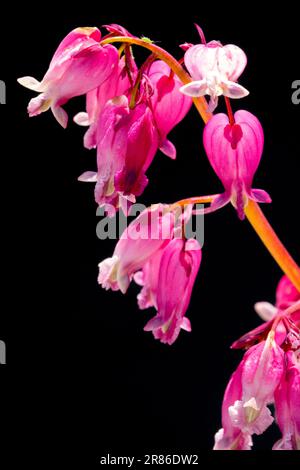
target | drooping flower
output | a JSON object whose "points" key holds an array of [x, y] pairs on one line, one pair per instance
{"points": [[231, 437], [286, 313], [142, 145], [287, 404], [79, 65], [142, 239], [127, 141], [116, 85], [111, 138], [246, 399], [169, 106], [153, 253], [234, 152], [215, 70], [171, 289]]}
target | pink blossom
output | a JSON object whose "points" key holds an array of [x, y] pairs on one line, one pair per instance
{"points": [[234, 152], [215, 69], [168, 104], [142, 145], [116, 85], [286, 313], [230, 437], [142, 239], [127, 141], [169, 285], [287, 405], [111, 138], [78, 66], [150, 252], [250, 391]]}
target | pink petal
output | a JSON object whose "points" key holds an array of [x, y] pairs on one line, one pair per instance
{"points": [[168, 149]]}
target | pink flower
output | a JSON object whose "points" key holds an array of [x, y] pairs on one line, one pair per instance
{"points": [[230, 437], [142, 145], [168, 104], [127, 141], [111, 138], [78, 66], [287, 405], [215, 69], [116, 85], [142, 239], [169, 284], [152, 252], [286, 314], [234, 152], [287, 298], [247, 396]]}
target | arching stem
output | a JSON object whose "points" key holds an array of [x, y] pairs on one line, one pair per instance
{"points": [[252, 210], [174, 65]]}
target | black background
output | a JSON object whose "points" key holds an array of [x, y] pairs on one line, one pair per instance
{"points": [[81, 376]]}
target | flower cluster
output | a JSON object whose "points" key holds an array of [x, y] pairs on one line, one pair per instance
{"points": [[268, 374], [153, 252], [130, 111]]}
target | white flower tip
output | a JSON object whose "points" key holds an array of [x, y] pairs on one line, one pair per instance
{"points": [[234, 90], [30, 83], [194, 89], [265, 310], [88, 177], [81, 119]]}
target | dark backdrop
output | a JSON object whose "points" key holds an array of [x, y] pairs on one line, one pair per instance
{"points": [[81, 375]]}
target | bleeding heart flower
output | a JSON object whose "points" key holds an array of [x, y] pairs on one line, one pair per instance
{"points": [[78, 66], [153, 253], [249, 393], [230, 437], [169, 106], [142, 145], [170, 282], [234, 152], [127, 141], [142, 239], [116, 85], [215, 69]]}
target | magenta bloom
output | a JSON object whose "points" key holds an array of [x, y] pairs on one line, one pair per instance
{"points": [[247, 396], [127, 141], [142, 145], [215, 69], [234, 152], [230, 437], [170, 284], [79, 65], [168, 104], [116, 85], [287, 405], [150, 252], [142, 239], [111, 137]]}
